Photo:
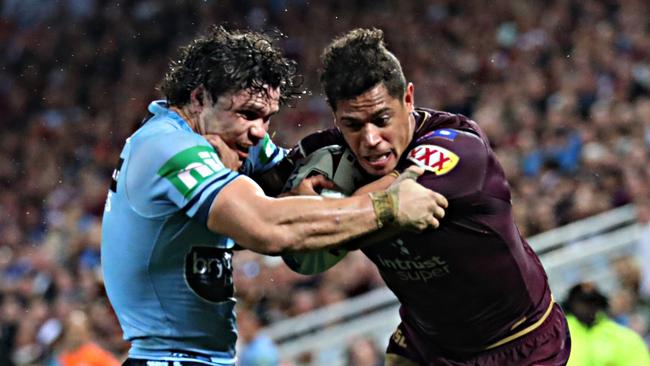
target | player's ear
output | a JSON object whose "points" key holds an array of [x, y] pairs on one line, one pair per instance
{"points": [[336, 124], [197, 97], [409, 101]]}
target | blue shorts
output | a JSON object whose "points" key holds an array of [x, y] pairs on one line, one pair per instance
{"points": [[176, 358]]}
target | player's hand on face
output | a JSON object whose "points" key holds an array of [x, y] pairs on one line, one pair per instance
{"points": [[311, 186], [418, 207], [228, 156]]}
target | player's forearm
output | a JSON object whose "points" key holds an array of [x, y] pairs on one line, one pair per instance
{"points": [[379, 235], [303, 223], [257, 222], [307, 223], [242, 212]]}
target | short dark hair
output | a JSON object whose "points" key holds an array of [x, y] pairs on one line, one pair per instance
{"points": [[228, 61], [586, 292], [358, 61]]}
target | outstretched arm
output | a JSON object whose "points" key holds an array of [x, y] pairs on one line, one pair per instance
{"points": [[267, 225]]}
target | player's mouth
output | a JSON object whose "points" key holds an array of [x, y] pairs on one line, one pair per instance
{"points": [[242, 151], [378, 161]]}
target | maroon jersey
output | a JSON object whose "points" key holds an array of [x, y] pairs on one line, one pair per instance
{"points": [[474, 280]]}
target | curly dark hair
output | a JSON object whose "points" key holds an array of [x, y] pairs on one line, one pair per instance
{"points": [[358, 61], [228, 61]]}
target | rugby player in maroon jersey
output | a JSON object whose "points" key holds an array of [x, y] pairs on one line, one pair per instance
{"points": [[472, 292]]}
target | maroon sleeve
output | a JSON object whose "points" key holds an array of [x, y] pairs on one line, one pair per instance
{"points": [[455, 162]]}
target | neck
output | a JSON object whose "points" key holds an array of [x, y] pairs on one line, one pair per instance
{"points": [[412, 125], [186, 115]]}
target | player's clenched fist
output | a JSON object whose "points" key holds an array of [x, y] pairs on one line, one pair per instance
{"points": [[408, 204]]}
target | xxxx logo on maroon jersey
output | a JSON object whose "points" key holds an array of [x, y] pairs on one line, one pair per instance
{"points": [[434, 158]]}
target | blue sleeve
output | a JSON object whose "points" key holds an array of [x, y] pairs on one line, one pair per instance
{"points": [[263, 156]]}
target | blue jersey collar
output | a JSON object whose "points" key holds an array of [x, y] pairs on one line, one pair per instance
{"points": [[161, 108]]}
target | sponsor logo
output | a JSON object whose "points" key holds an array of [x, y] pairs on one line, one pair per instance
{"points": [[434, 158], [416, 269], [399, 244], [191, 167], [412, 264], [412, 268], [208, 272]]}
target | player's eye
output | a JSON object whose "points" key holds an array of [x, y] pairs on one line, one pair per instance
{"points": [[381, 121], [353, 126], [249, 115]]}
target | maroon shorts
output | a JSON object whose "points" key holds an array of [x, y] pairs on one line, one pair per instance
{"points": [[548, 345]]}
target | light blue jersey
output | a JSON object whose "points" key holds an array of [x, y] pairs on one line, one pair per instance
{"points": [[167, 276]]}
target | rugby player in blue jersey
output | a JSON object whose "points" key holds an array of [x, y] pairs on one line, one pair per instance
{"points": [[177, 205]]}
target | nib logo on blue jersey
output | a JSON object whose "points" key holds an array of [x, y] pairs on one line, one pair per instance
{"points": [[208, 272]]}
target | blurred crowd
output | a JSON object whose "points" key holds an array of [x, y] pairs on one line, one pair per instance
{"points": [[562, 89]]}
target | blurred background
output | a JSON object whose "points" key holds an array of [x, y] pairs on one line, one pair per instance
{"points": [[562, 89]]}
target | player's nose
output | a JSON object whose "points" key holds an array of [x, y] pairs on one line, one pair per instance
{"points": [[370, 135], [257, 131]]}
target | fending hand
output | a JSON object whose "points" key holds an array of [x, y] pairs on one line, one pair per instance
{"points": [[228, 155], [417, 206]]}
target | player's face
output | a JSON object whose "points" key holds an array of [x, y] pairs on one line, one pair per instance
{"points": [[241, 119], [377, 127]]}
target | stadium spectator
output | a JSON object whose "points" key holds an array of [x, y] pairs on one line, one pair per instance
{"points": [[363, 352], [256, 348], [596, 339], [643, 210], [77, 348]]}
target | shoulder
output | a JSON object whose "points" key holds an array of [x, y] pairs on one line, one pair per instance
{"points": [[455, 161], [171, 153], [429, 120], [161, 140], [441, 150], [161, 126]]}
